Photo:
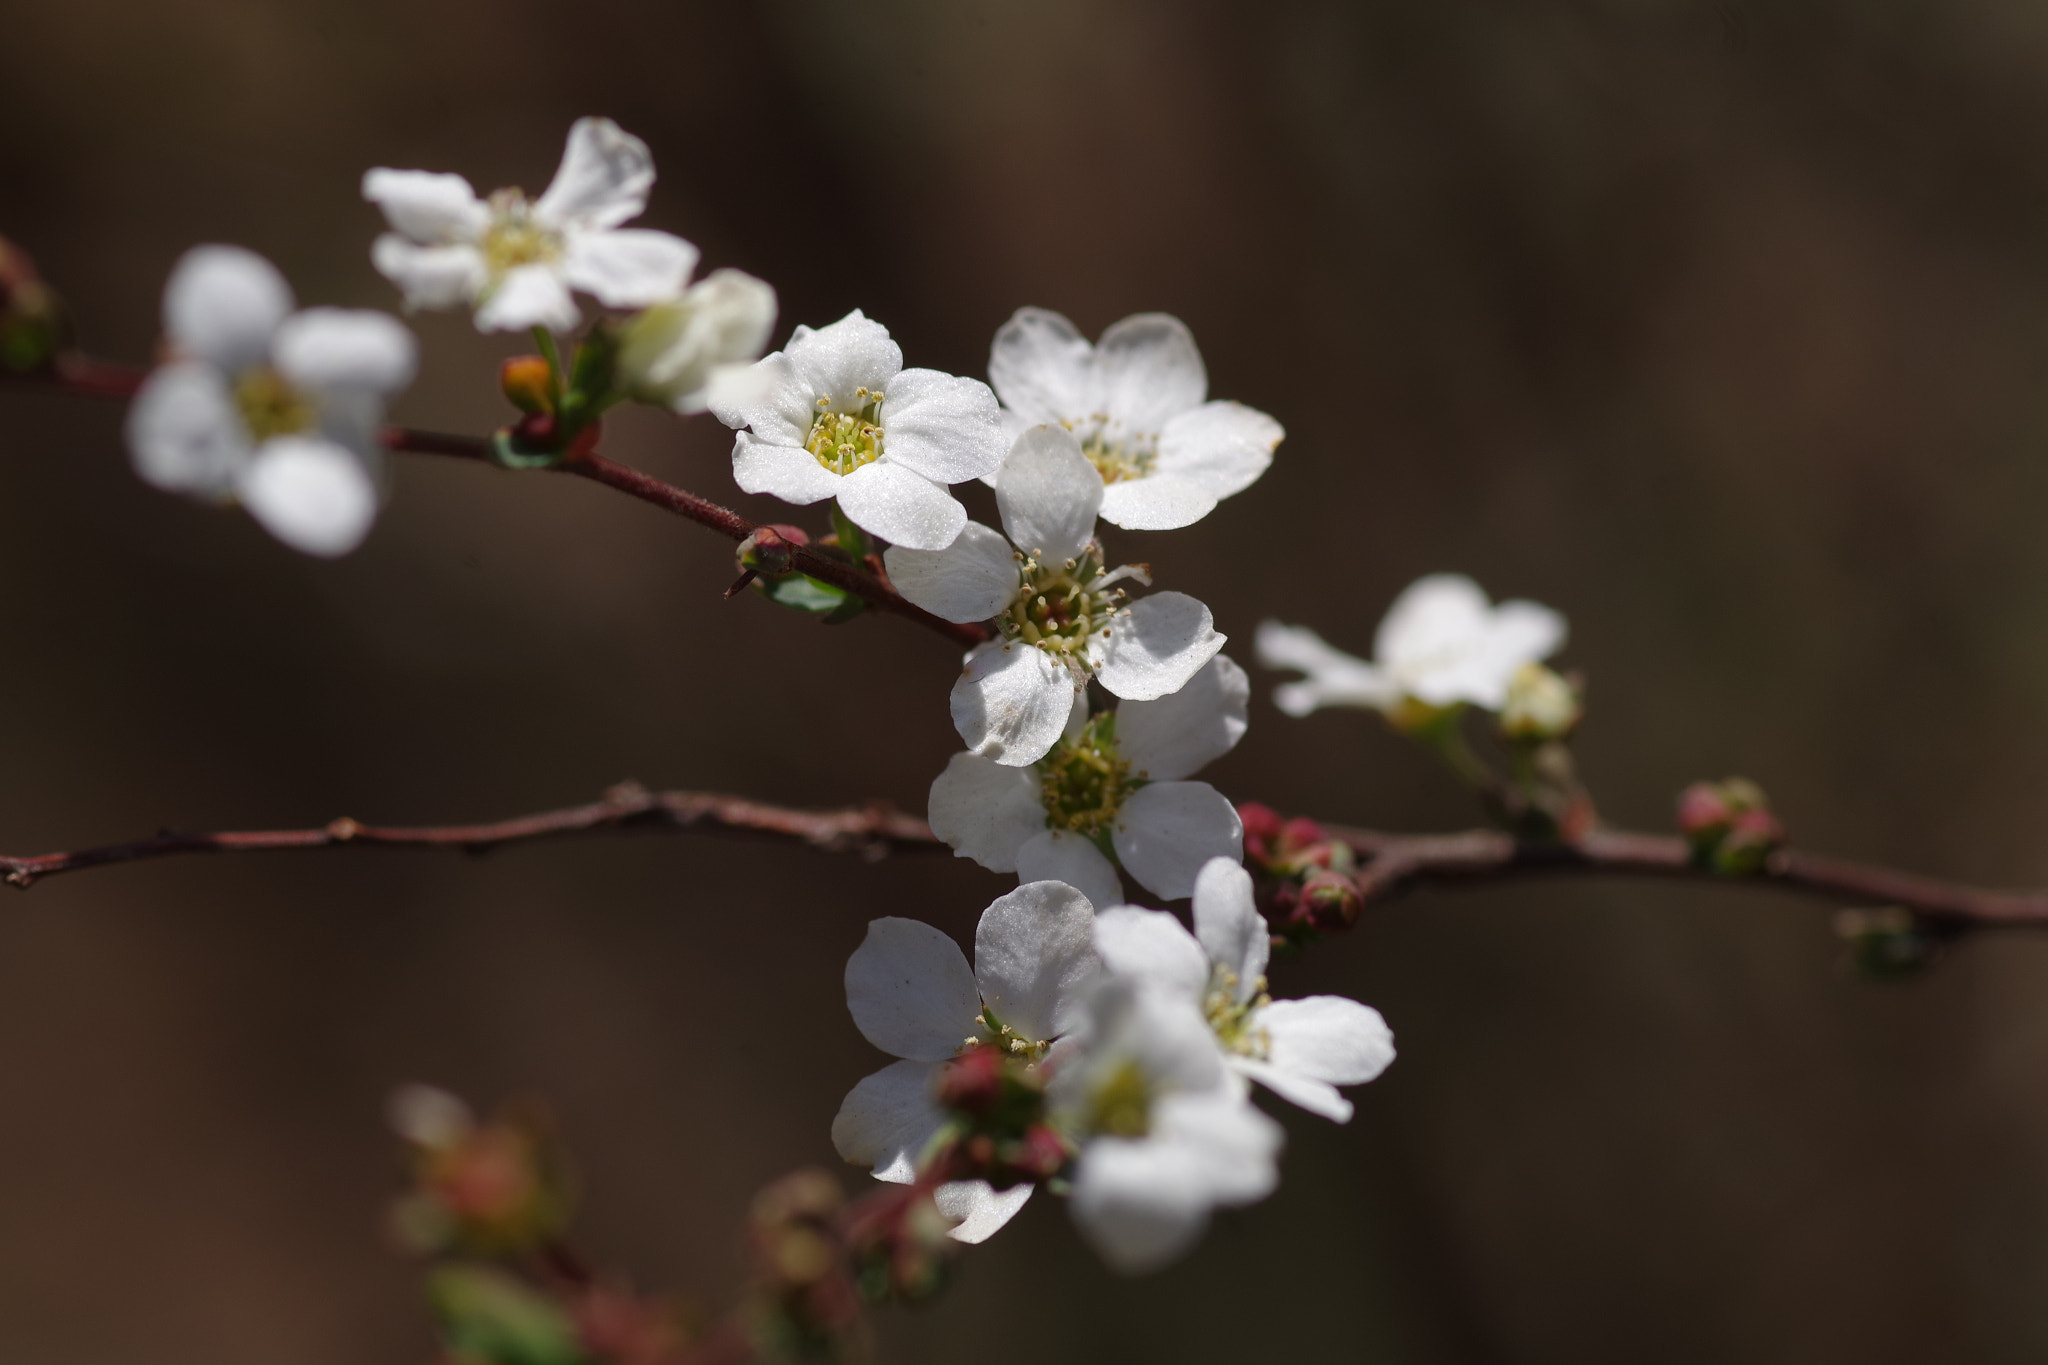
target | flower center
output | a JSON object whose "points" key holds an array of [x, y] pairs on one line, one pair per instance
{"points": [[1121, 1104], [270, 406], [991, 1031], [1061, 605], [513, 238], [1083, 781], [1232, 1020], [1118, 460], [844, 441]]}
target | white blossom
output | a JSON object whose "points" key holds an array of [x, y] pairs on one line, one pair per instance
{"points": [[1115, 785], [913, 995], [1059, 620], [835, 415], [674, 353], [516, 261], [275, 408], [1165, 457], [1302, 1050], [1165, 1133], [1441, 644]]}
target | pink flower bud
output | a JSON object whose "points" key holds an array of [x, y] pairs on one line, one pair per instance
{"points": [[973, 1082], [1329, 901]]}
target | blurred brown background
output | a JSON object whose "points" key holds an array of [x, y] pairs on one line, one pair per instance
{"points": [[1721, 327]]}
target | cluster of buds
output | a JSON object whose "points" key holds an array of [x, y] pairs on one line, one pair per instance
{"points": [[559, 412], [896, 1244], [1729, 825], [1001, 1136], [1305, 876], [495, 1188], [803, 1300], [31, 315]]}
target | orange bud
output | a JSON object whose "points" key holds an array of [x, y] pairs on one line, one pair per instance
{"points": [[528, 383]]}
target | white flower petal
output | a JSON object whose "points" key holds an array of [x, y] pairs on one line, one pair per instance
{"points": [[1232, 1143], [312, 494], [324, 349], [886, 1120], [670, 353], [1048, 494], [430, 207], [1149, 371], [947, 428], [1178, 734], [1140, 1205], [970, 580], [1042, 369], [1334, 677], [1434, 614], [910, 990], [1328, 1038], [1011, 702], [836, 362], [1156, 646], [185, 434], [1229, 925], [430, 276], [628, 267], [1166, 831], [771, 398], [1153, 948], [1223, 447], [222, 303], [1034, 956], [603, 180], [985, 811], [787, 472], [1156, 502], [1063, 856], [901, 506], [529, 296], [979, 1210], [1318, 1097]]}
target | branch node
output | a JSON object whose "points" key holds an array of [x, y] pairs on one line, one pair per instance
{"points": [[343, 830]]}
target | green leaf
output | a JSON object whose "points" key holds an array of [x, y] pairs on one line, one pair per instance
{"points": [[509, 452], [489, 1316], [801, 592], [851, 538]]}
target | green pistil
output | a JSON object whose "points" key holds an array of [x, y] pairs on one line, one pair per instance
{"points": [[270, 406], [1122, 1105], [1115, 461], [1231, 1020], [1061, 605], [513, 238], [844, 441], [1083, 781]]}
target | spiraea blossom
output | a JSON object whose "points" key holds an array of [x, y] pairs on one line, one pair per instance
{"points": [[1134, 399], [1441, 644], [1166, 1134], [913, 995], [1302, 1050], [516, 261], [835, 415], [1060, 618], [1112, 792], [275, 408], [673, 353]]}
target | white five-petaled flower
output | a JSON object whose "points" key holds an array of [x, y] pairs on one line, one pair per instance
{"points": [[1059, 620], [913, 995], [835, 415], [517, 261], [1166, 1133], [1440, 644], [1303, 1049], [1134, 399], [1114, 784], [276, 408]]}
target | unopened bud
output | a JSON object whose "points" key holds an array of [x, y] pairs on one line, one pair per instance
{"points": [[770, 549], [973, 1082], [529, 383], [1040, 1154], [675, 353], [31, 314], [1328, 901], [1753, 835], [1261, 831], [1729, 825], [1889, 943], [1540, 705]]}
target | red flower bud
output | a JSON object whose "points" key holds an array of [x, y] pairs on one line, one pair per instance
{"points": [[972, 1082], [1261, 830], [1329, 901], [1300, 833]]}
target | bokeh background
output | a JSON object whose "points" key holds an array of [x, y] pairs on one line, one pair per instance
{"points": [[1722, 327]]}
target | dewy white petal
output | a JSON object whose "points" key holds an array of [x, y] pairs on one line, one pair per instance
{"points": [[945, 427], [324, 349], [1042, 368], [1048, 494], [1034, 957], [910, 990], [529, 296], [222, 304], [312, 494], [185, 434], [1153, 948], [785, 472], [1156, 502], [836, 362], [1222, 447], [628, 267], [970, 580], [986, 811], [1156, 645], [886, 1120], [1328, 1038], [1149, 370], [430, 276], [1178, 734], [1166, 831], [430, 207], [901, 506], [979, 1211], [772, 399], [1229, 925], [1011, 702], [603, 180], [1063, 856]]}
